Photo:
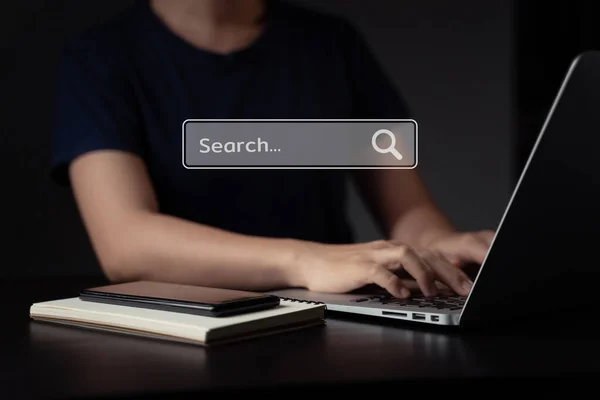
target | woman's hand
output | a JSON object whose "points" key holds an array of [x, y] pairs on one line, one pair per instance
{"points": [[468, 247], [343, 268]]}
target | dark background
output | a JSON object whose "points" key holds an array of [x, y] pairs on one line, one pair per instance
{"points": [[549, 37], [479, 75]]}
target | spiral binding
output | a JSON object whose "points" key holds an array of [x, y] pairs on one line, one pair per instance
{"points": [[304, 302]]}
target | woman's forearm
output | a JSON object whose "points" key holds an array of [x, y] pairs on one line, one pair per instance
{"points": [[134, 241], [402, 206], [152, 246]]}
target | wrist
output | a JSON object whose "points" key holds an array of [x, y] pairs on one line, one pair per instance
{"points": [[292, 262]]}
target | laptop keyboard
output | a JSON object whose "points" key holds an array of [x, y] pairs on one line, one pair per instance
{"points": [[440, 302]]}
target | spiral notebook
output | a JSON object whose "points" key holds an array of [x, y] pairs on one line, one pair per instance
{"points": [[201, 330]]}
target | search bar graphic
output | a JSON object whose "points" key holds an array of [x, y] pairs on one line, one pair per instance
{"points": [[299, 144]]}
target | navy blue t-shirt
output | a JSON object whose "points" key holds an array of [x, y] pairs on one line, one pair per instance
{"points": [[129, 84]]}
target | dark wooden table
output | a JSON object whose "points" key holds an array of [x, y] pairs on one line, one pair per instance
{"points": [[50, 361]]}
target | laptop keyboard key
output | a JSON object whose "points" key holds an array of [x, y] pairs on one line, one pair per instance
{"points": [[445, 302]]}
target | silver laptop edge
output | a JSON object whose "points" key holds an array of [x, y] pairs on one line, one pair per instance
{"points": [[347, 303]]}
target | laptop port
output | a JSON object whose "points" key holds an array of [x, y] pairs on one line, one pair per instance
{"points": [[418, 316], [435, 318], [395, 314]]}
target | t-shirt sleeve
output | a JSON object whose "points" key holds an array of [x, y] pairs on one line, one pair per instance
{"points": [[374, 93], [95, 107]]}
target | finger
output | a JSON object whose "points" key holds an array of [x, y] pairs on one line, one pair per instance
{"points": [[412, 285], [443, 288], [389, 281], [454, 260], [448, 274], [405, 257]]}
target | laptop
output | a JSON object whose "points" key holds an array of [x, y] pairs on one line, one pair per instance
{"points": [[543, 261]]}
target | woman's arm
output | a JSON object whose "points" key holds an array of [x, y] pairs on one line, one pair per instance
{"points": [[402, 206], [406, 212], [134, 241]]}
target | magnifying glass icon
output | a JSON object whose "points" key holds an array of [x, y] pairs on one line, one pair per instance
{"points": [[391, 148]]}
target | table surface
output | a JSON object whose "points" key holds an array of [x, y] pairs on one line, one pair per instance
{"points": [[55, 361]]}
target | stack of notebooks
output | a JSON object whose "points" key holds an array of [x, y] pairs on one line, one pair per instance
{"points": [[171, 325]]}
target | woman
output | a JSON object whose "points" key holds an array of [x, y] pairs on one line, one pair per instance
{"points": [[126, 87]]}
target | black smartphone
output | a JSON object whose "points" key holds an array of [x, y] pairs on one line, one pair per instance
{"points": [[188, 299]]}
